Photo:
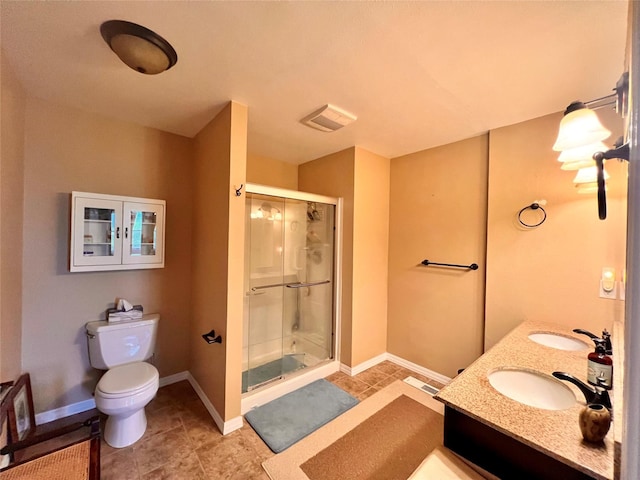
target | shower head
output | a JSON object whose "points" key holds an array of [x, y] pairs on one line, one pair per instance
{"points": [[312, 212]]}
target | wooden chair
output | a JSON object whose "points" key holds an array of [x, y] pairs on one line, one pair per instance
{"points": [[68, 448]]}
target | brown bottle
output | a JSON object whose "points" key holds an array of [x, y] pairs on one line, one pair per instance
{"points": [[600, 366]]}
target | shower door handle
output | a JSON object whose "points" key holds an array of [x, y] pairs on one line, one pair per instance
{"points": [[309, 284], [291, 285], [253, 289]]}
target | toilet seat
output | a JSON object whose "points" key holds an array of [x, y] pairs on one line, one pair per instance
{"points": [[127, 380]]}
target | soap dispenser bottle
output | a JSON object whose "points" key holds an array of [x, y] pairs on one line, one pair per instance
{"points": [[600, 366]]}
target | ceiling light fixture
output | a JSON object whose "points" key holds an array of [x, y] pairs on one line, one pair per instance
{"points": [[138, 47], [580, 140]]}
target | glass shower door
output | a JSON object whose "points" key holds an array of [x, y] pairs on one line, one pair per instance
{"points": [[308, 334], [289, 287]]}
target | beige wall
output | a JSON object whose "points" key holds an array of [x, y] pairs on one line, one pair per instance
{"points": [[218, 258], [275, 173], [65, 150], [361, 178], [11, 208], [552, 272], [438, 212], [370, 256], [443, 210]]}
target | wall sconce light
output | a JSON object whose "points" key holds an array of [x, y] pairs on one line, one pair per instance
{"points": [[138, 47], [580, 126], [586, 179], [580, 141], [588, 175], [580, 157]]}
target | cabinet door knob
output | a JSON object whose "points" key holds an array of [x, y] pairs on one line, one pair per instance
{"points": [[126, 232], [117, 232]]}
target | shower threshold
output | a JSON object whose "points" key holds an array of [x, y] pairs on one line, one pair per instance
{"points": [[271, 371], [293, 381]]}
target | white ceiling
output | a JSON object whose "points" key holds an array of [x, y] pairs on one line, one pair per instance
{"points": [[417, 74]]}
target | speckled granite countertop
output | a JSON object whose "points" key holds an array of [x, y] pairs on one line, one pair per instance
{"points": [[553, 432]]}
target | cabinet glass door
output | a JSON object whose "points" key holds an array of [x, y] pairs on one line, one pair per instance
{"points": [[143, 235], [97, 232]]}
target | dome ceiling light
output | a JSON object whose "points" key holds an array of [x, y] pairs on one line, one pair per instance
{"points": [[140, 48]]}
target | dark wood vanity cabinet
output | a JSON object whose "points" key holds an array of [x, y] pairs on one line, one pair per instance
{"points": [[501, 454]]}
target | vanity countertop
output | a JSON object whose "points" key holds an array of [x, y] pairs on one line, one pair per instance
{"points": [[554, 432]]}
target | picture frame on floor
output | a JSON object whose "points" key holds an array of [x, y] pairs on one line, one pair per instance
{"points": [[4, 435], [5, 388], [21, 415]]}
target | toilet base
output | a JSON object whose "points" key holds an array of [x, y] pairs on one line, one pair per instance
{"points": [[123, 430]]}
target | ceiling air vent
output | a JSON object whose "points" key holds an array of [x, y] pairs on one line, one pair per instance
{"points": [[329, 118]]}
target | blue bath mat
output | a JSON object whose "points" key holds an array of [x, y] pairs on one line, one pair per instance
{"points": [[288, 419]]}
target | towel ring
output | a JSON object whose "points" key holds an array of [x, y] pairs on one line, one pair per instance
{"points": [[533, 206]]}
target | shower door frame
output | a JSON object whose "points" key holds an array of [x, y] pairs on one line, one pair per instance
{"points": [[260, 395]]}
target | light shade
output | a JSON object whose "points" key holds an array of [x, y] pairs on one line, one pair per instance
{"points": [[587, 187], [138, 47], [580, 126], [580, 157], [588, 175], [584, 152], [578, 164]]}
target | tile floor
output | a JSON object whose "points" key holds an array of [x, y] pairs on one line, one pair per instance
{"points": [[183, 442]]}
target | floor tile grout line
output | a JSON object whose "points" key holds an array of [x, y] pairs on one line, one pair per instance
{"points": [[204, 472]]}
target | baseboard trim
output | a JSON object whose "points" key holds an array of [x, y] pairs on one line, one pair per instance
{"points": [[224, 427], [175, 378], [66, 411], [352, 371], [251, 401], [414, 367], [84, 405]]}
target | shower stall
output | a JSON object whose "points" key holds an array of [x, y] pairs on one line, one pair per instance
{"points": [[290, 311]]}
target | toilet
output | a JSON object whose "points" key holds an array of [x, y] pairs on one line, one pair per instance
{"points": [[130, 383]]}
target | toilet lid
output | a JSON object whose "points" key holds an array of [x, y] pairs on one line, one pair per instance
{"points": [[128, 378]]}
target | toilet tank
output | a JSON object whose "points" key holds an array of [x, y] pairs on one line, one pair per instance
{"points": [[118, 343]]}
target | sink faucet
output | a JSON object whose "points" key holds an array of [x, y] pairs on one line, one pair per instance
{"points": [[607, 342], [596, 395], [606, 336]]}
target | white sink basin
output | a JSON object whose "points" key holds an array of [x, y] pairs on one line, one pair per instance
{"points": [[558, 341], [532, 388]]}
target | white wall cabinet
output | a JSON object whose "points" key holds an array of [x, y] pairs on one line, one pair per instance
{"points": [[109, 232]]}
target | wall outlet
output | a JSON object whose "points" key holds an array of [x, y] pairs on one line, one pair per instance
{"points": [[609, 292]]}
